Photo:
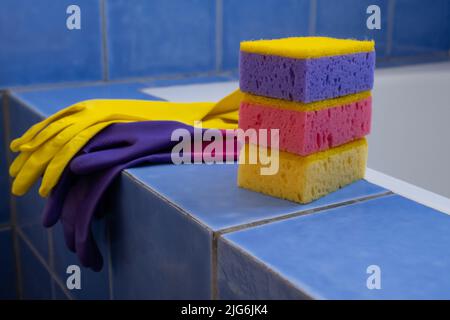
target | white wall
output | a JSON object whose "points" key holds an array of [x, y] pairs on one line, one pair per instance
{"points": [[410, 137]]}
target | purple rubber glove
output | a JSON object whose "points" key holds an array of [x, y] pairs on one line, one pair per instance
{"points": [[76, 197]]}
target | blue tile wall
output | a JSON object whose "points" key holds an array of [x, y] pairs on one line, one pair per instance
{"points": [[347, 19], [28, 208], [94, 285], [160, 37], [36, 281], [256, 19], [421, 27], [7, 263], [326, 254], [126, 39], [4, 176], [37, 47], [156, 251]]}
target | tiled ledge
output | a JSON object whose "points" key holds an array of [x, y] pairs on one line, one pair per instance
{"points": [[188, 232]]}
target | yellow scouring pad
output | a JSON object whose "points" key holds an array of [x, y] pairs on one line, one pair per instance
{"points": [[304, 179]]}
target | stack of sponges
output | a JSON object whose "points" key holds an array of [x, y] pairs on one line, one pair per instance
{"points": [[316, 91]]}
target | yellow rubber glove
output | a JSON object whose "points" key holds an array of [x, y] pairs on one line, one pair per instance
{"points": [[50, 145], [86, 113]]}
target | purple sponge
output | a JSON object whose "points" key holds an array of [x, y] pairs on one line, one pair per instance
{"points": [[306, 80]]}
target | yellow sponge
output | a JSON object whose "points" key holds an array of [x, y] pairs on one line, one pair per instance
{"points": [[307, 47], [304, 179]]}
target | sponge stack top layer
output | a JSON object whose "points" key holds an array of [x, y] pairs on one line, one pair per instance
{"points": [[307, 47], [306, 69]]}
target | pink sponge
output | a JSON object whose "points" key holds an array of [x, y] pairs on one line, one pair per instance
{"points": [[312, 127]]}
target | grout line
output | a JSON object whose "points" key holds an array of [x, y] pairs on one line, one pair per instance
{"points": [[214, 263], [12, 200], [301, 213], [105, 56], [390, 27], [219, 35], [312, 17], [38, 256]]}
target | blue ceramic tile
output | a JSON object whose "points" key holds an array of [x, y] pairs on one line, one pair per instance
{"points": [[327, 254], [36, 281], [347, 19], [4, 176], [94, 285], [58, 293], [7, 269], [37, 47], [421, 27], [49, 101], [29, 207], [219, 203], [160, 37], [256, 19], [157, 252], [241, 277]]}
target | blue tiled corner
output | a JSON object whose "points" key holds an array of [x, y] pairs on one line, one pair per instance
{"points": [[160, 37], [421, 27], [156, 251], [4, 176], [241, 276], [8, 265], [220, 204], [326, 254], [94, 285], [256, 19], [36, 281], [347, 19], [27, 208], [37, 47]]}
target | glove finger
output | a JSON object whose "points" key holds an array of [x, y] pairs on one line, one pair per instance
{"points": [[77, 126], [32, 170], [35, 166], [59, 162], [74, 208], [54, 205], [50, 132], [90, 255], [36, 128], [100, 160], [85, 197], [18, 163]]}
